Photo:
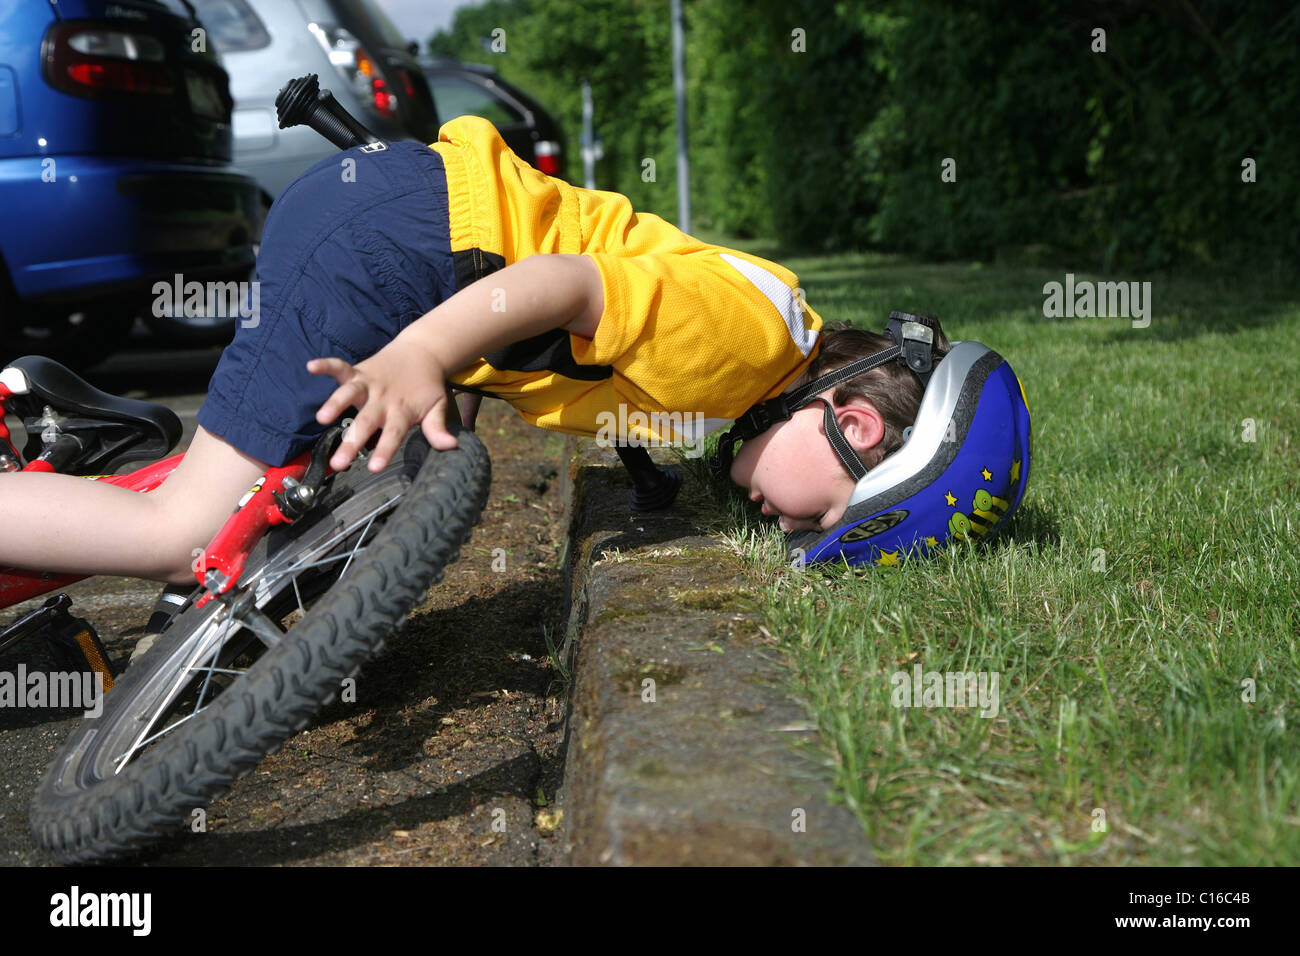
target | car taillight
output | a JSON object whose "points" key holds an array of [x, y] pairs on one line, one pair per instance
{"points": [[548, 156], [358, 68], [406, 82], [91, 58], [371, 84]]}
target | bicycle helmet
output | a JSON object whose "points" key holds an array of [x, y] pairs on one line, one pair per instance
{"points": [[960, 473]]}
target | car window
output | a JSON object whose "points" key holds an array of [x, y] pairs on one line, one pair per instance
{"points": [[455, 96], [233, 25], [361, 17]]}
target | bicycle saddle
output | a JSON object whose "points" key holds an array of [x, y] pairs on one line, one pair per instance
{"points": [[145, 430]]}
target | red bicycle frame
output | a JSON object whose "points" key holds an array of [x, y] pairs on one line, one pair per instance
{"points": [[221, 563]]}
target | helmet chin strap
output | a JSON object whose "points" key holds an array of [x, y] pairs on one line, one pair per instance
{"points": [[913, 348], [845, 452]]}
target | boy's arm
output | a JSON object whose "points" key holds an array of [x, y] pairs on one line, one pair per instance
{"points": [[405, 381]]}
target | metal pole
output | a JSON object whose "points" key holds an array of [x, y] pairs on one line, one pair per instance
{"points": [[679, 86], [588, 140]]}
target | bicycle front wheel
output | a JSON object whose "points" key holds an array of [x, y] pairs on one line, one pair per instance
{"points": [[227, 683]]}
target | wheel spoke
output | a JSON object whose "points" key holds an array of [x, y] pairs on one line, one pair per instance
{"points": [[205, 654], [262, 626], [172, 691], [232, 671], [216, 656], [125, 758], [358, 549], [271, 577], [332, 559]]}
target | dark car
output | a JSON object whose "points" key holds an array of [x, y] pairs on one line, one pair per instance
{"points": [[477, 90], [115, 148]]}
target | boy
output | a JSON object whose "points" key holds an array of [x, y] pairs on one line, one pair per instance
{"points": [[368, 269]]}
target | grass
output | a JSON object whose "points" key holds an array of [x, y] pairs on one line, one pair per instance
{"points": [[1140, 609]]}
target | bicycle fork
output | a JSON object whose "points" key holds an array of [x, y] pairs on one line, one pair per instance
{"points": [[282, 495]]}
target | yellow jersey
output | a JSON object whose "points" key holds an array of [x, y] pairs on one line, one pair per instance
{"points": [[691, 334]]}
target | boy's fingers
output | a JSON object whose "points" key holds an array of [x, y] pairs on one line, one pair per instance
{"points": [[351, 390], [434, 426], [333, 367], [343, 397], [395, 429], [342, 457], [355, 438]]}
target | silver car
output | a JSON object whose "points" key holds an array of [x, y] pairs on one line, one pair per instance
{"points": [[357, 52], [359, 56]]}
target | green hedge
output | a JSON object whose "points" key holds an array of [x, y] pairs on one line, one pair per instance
{"points": [[1127, 158]]}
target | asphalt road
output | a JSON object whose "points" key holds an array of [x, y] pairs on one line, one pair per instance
{"points": [[177, 378]]}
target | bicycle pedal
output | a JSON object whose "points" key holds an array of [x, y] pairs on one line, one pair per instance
{"points": [[78, 647]]}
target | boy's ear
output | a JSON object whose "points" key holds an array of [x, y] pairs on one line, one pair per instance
{"points": [[861, 423]]}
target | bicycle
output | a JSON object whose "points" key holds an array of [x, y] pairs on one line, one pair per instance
{"points": [[297, 590]]}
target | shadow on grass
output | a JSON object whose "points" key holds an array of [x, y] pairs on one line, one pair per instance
{"points": [[864, 287], [1032, 524], [1214, 311]]}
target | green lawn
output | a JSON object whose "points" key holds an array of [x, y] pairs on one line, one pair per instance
{"points": [[1149, 575]]}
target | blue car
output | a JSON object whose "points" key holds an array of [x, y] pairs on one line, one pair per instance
{"points": [[115, 147]]}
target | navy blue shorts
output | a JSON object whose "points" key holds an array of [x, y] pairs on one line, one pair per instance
{"points": [[350, 256]]}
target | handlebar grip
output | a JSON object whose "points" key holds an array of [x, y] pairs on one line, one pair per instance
{"points": [[301, 102]]}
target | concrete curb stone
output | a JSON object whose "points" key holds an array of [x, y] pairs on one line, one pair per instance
{"points": [[683, 747]]}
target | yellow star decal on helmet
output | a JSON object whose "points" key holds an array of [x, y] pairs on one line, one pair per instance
{"points": [[951, 500], [988, 475], [1015, 470], [932, 541], [888, 558]]}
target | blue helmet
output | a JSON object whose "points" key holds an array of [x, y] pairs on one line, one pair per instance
{"points": [[960, 473]]}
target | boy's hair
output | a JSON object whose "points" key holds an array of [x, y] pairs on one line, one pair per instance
{"points": [[894, 390]]}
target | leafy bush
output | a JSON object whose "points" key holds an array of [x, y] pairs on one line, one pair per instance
{"points": [[1130, 157]]}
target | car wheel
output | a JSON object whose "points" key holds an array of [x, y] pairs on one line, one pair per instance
{"points": [[79, 337], [202, 331]]}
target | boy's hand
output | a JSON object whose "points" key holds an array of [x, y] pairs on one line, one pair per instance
{"points": [[406, 381], [395, 388]]}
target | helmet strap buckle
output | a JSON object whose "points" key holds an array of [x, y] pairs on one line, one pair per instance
{"points": [[913, 347], [915, 338], [758, 419]]}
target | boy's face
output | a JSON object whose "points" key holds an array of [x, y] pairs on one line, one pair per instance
{"points": [[792, 470]]}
